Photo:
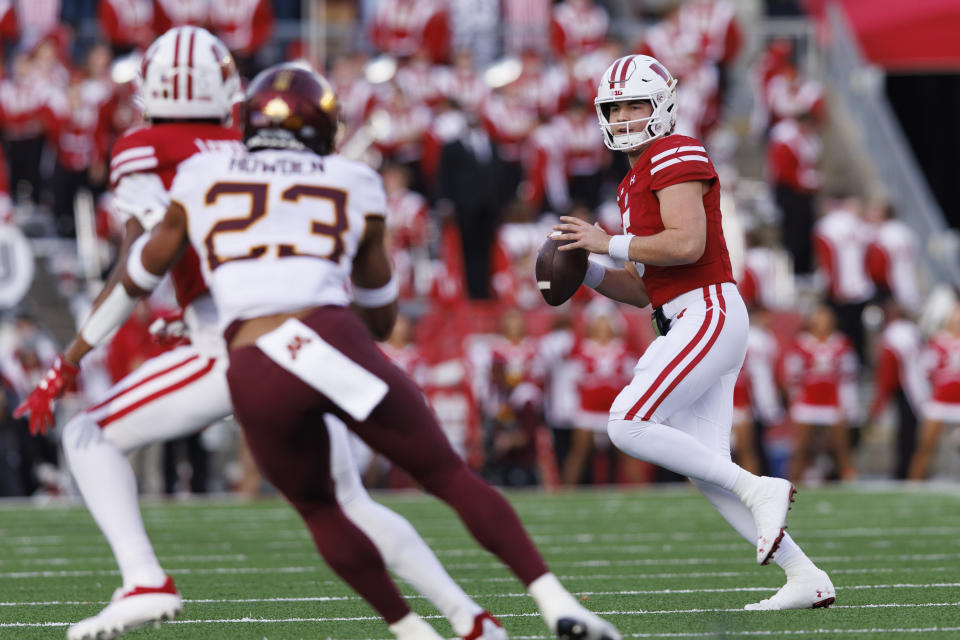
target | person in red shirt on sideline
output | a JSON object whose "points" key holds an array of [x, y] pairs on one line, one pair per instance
{"points": [[820, 369], [840, 241], [678, 408], [604, 364], [943, 354], [793, 154], [893, 256], [900, 376]]}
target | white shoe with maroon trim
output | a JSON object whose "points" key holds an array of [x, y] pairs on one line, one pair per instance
{"points": [[769, 502], [810, 590], [486, 627], [129, 610]]}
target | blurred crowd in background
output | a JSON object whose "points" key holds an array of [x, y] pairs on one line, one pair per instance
{"points": [[480, 117]]}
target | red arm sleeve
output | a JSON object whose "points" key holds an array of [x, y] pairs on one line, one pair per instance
{"points": [[877, 265], [263, 21], [9, 29], [887, 381], [436, 37], [161, 21], [733, 42], [558, 38], [108, 21], [824, 254], [782, 164]]}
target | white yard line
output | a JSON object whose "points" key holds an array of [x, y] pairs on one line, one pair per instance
{"points": [[636, 592], [541, 538], [917, 557], [248, 620]]}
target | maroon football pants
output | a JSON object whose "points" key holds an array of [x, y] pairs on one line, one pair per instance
{"points": [[282, 418]]}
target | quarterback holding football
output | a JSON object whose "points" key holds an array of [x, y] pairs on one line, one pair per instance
{"points": [[677, 410]]}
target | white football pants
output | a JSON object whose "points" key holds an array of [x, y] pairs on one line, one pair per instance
{"points": [[179, 393]]}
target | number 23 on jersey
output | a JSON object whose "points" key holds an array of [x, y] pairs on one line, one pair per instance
{"points": [[322, 233]]}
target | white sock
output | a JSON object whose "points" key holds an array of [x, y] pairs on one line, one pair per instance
{"points": [[406, 554], [403, 550], [744, 483], [675, 450], [789, 556], [552, 598], [413, 627], [109, 488]]}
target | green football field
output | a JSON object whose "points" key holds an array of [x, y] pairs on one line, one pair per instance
{"points": [[658, 563]]}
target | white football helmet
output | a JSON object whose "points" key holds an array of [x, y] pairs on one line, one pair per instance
{"points": [[631, 79], [187, 73]]}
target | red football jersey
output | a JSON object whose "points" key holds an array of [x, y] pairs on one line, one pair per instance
{"points": [[668, 161], [159, 150], [944, 354]]}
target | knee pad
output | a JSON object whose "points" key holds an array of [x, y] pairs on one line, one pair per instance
{"points": [[619, 431], [80, 432], [624, 432]]}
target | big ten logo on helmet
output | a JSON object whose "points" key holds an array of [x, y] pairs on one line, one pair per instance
{"points": [[618, 92]]}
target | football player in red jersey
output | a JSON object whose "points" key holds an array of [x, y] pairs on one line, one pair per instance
{"points": [[677, 410], [189, 85]]}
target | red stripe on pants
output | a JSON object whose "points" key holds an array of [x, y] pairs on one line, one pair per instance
{"points": [[676, 361], [697, 359], [153, 396], [141, 383]]}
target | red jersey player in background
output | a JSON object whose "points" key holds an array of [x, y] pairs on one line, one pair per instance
{"points": [[821, 373], [944, 405], [677, 410]]}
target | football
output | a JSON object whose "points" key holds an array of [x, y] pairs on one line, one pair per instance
{"points": [[559, 273]]}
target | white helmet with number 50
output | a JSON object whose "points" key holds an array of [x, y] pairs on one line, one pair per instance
{"points": [[632, 79], [187, 73]]}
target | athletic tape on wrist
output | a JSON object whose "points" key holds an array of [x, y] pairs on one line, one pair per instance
{"points": [[595, 273], [111, 313], [135, 269], [379, 297], [619, 248]]}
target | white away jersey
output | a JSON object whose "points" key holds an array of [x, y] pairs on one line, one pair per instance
{"points": [[276, 230]]}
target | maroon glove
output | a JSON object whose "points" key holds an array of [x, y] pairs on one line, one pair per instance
{"points": [[39, 404], [169, 329]]}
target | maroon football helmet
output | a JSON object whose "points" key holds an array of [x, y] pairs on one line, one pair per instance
{"points": [[290, 107]]}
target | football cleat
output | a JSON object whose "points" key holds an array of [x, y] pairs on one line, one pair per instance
{"points": [[486, 627], [584, 625], [769, 502], [128, 610], [812, 590]]}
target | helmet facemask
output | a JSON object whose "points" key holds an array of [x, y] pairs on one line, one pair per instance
{"points": [[634, 79]]}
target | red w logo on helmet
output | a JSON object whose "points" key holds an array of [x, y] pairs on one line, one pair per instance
{"points": [[619, 70]]}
